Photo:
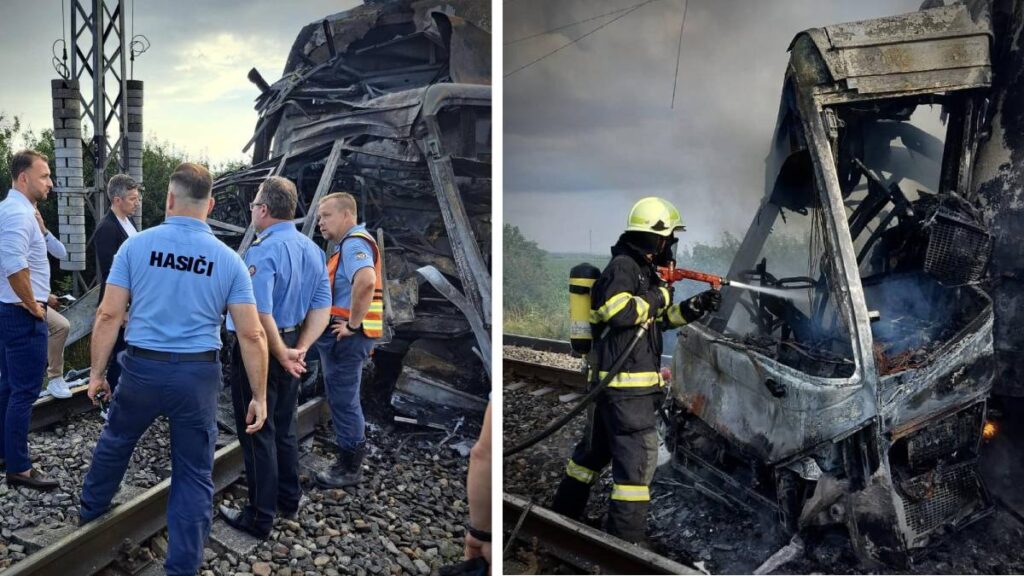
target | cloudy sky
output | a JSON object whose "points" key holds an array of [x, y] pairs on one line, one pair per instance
{"points": [[590, 129], [197, 97]]}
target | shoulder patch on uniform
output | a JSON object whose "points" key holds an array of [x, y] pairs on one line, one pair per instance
{"points": [[362, 255], [261, 238], [252, 270]]}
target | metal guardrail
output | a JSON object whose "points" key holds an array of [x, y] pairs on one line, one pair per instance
{"points": [[582, 546], [95, 545]]}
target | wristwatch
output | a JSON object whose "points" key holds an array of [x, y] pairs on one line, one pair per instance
{"points": [[481, 535], [353, 329]]}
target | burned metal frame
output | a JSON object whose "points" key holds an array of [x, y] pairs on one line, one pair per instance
{"points": [[388, 101], [835, 450]]}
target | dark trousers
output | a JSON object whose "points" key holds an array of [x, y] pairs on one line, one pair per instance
{"points": [[186, 393], [113, 367], [271, 455], [342, 361], [624, 434], [22, 366]]}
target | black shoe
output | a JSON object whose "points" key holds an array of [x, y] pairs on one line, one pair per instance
{"points": [[347, 471], [242, 520], [36, 480]]}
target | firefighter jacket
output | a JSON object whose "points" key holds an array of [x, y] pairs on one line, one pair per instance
{"points": [[626, 295]]}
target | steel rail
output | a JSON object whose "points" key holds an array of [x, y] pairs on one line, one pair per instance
{"points": [[534, 343], [542, 372], [49, 410], [92, 547], [584, 547]]}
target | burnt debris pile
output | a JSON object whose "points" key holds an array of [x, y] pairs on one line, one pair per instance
{"points": [[390, 101]]}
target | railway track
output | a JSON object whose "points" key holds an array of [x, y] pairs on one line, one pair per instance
{"points": [[49, 410], [86, 550], [578, 545]]}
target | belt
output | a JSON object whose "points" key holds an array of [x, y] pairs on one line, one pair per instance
{"points": [[209, 356], [288, 330]]}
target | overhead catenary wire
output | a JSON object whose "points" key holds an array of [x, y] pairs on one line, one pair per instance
{"points": [[577, 39], [679, 54], [563, 27]]}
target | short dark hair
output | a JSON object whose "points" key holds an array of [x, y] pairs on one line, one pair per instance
{"points": [[191, 182], [280, 197], [119, 185], [23, 160]]}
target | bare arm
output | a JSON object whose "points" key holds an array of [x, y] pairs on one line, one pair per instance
{"points": [[109, 317], [314, 325], [253, 343], [291, 360], [21, 283], [478, 490], [275, 345]]}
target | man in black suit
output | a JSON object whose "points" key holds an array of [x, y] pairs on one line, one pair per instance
{"points": [[115, 227]]}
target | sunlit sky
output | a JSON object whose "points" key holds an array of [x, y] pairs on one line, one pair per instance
{"points": [[197, 97]]}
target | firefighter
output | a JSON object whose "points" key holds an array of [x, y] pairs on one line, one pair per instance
{"points": [[627, 294]]}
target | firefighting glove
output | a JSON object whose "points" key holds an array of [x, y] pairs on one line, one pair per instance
{"points": [[659, 297], [706, 301]]}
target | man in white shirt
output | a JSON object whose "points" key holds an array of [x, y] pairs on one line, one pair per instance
{"points": [[115, 227], [24, 288]]}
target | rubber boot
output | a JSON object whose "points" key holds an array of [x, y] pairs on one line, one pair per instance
{"points": [[628, 520], [571, 498], [347, 471]]}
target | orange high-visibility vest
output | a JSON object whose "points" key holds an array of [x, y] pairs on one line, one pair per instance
{"points": [[373, 323]]}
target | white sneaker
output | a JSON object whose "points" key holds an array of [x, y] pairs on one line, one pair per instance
{"points": [[58, 388]]}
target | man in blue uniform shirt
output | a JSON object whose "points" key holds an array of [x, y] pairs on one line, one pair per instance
{"points": [[180, 279], [357, 320], [23, 290], [293, 298]]}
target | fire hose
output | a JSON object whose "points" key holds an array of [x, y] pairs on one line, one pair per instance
{"points": [[589, 398]]}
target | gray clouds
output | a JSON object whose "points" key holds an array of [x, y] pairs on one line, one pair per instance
{"points": [[589, 129]]}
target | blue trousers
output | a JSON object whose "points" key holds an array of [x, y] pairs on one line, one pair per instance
{"points": [[22, 366], [342, 362], [186, 393], [113, 366]]}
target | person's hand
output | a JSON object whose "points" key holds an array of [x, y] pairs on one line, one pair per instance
{"points": [[707, 301], [340, 329], [475, 548], [97, 384], [39, 220], [300, 354], [292, 362], [52, 301], [660, 297], [36, 309], [256, 416]]}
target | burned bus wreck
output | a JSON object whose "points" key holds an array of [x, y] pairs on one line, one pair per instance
{"points": [[390, 101], [851, 388]]}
